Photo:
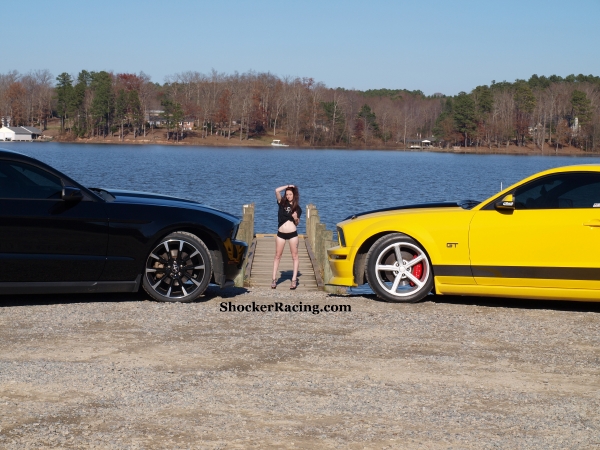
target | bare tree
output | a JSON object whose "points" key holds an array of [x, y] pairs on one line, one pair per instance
{"points": [[6, 80], [281, 96]]}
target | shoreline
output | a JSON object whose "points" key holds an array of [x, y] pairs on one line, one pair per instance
{"points": [[261, 144]]}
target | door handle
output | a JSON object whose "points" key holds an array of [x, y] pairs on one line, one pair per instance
{"points": [[592, 223]]}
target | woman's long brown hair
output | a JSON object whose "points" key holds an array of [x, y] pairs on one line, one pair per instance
{"points": [[295, 200]]}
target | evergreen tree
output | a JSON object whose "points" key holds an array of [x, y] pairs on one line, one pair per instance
{"points": [[536, 82], [79, 93], [103, 102], [444, 128], [582, 107], [525, 103], [484, 105], [336, 119], [64, 97], [524, 98], [484, 100], [369, 120], [173, 115], [121, 107], [582, 111], [136, 115], [465, 115]]}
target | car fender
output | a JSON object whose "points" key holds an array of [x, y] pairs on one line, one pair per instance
{"points": [[421, 235], [444, 235]]}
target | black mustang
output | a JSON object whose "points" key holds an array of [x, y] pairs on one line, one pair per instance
{"points": [[56, 236]]}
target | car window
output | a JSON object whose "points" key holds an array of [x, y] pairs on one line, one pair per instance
{"points": [[583, 196], [567, 190], [19, 180]]}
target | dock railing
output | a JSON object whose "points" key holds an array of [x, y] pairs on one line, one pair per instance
{"points": [[319, 239], [246, 233]]}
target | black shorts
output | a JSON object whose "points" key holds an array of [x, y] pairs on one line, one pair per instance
{"points": [[287, 236]]}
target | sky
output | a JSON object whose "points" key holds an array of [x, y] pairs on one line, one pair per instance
{"points": [[444, 46]]}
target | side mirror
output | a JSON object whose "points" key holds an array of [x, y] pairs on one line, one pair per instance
{"points": [[71, 194], [506, 204]]}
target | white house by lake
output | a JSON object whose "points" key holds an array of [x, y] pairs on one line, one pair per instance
{"points": [[19, 133]]}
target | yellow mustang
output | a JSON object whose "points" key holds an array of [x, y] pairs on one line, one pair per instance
{"points": [[539, 239]]}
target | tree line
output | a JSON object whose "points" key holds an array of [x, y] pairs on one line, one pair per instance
{"points": [[541, 111], [26, 99]]}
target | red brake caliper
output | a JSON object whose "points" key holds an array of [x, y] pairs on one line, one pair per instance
{"points": [[417, 271]]}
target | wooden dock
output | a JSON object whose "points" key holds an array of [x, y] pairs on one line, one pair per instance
{"points": [[260, 265]]}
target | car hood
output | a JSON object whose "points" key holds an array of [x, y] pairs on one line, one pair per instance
{"points": [[465, 204], [148, 198]]}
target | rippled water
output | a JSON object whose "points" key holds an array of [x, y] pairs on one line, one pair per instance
{"points": [[338, 182]]}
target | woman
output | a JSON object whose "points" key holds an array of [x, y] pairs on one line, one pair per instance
{"points": [[288, 217]]}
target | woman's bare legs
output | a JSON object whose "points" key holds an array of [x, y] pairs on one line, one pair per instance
{"points": [[294, 249], [279, 244]]}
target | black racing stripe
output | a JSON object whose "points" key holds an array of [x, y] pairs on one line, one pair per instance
{"points": [[549, 273], [464, 204], [452, 271]]}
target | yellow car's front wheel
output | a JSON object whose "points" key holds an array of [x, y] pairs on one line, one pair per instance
{"points": [[398, 269]]}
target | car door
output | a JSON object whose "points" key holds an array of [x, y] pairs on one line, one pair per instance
{"points": [[44, 238], [550, 240]]}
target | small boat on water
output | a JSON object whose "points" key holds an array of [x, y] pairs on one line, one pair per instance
{"points": [[277, 143]]}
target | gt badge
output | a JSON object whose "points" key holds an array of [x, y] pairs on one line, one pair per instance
{"points": [[451, 244]]}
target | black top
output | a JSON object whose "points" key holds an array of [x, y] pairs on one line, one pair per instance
{"points": [[285, 213]]}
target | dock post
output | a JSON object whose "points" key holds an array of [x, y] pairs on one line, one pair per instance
{"points": [[320, 239], [245, 233]]}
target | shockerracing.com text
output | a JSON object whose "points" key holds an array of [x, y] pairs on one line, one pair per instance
{"points": [[281, 307]]}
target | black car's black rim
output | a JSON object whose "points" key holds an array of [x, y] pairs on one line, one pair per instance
{"points": [[175, 269]]}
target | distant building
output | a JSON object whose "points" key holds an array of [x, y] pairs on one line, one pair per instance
{"points": [[155, 117], [420, 143], [575, 125], [187, 124], [19, 133], [322, 125], [35, 132]]}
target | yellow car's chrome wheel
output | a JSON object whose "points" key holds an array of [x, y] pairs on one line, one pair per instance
{"points": [[398, 269]]}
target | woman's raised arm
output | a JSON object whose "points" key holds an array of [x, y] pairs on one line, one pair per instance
{"points": [[279, 189]]}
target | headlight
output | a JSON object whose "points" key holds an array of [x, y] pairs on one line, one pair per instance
{"points": [[341, 239]]}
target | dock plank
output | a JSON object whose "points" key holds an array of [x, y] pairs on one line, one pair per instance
{"points": [[261, 267]]}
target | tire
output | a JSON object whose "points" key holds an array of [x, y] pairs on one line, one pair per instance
{"points": [[405, 282], [178, 269]]}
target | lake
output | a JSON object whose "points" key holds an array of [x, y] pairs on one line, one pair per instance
{"points": [[338, 182]]}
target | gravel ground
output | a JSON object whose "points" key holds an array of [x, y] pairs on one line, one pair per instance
{"points": [[119, 371]]}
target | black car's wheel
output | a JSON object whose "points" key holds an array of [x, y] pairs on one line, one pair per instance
{"points": [[398, 269], [178, 269]]}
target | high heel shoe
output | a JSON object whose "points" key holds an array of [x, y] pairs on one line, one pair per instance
{"points": [[274, 284], [294, 284]]}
